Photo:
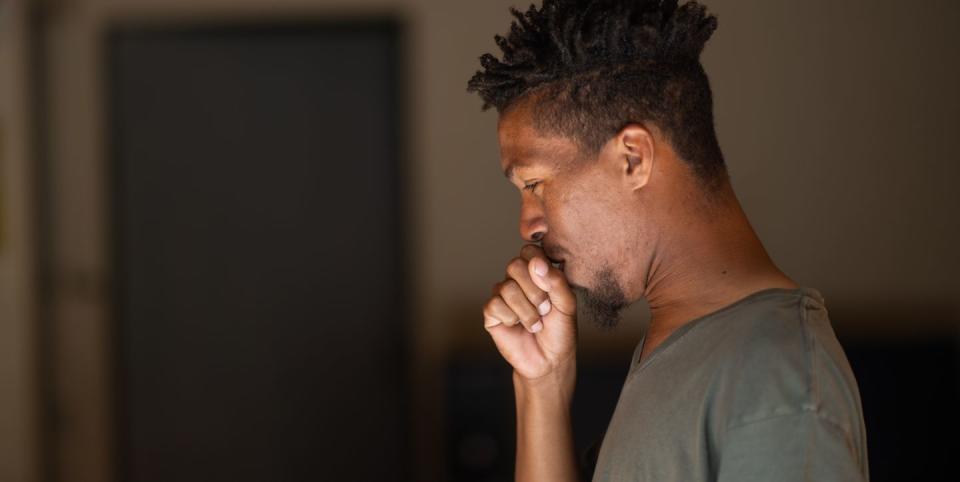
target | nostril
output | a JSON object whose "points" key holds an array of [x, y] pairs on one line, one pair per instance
{"points": [[537, 236]]}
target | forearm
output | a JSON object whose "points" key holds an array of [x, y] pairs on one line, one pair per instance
{"points": [[545, 450]]}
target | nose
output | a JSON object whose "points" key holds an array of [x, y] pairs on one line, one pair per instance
{"points": [[533, 225]]}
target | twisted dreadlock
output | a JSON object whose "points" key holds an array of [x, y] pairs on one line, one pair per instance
{"points": [[591, 67]]}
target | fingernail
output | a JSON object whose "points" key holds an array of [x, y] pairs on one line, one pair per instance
{"points": [[544, 307], [540, 267], [536, 327]]}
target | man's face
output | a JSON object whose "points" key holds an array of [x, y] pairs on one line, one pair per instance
{"points": [[577, 206]]}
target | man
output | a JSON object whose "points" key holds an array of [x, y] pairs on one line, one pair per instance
{"points": [[606, 126]]}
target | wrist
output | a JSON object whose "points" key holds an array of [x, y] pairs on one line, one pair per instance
{"points": [[554, 388]]}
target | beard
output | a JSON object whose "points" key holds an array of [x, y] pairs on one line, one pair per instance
{"points": [[602, 303]]}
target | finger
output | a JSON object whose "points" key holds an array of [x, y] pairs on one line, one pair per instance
{"points": [[495, 291], [528, 251], [553, 281], [515, 298], [519, 271], [496, 312]]}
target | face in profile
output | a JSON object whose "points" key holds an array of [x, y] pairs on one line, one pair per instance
{"points": [[574, 205]]}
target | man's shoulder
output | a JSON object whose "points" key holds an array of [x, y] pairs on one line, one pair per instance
{"points": [[779, 356], [767, 332]]}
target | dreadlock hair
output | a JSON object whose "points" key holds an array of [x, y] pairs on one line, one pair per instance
{"points": [[591, 67]]}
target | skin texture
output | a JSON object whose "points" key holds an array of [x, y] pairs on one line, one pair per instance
{"points": [[631, 221]]}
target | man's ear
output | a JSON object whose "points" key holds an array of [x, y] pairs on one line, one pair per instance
{"points": [[635, 148]]}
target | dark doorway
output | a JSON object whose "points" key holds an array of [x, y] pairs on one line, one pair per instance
{"points": [[259, 267]]}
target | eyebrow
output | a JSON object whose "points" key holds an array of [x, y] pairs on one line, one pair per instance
{"points": [[508, 172], [520, 160]]}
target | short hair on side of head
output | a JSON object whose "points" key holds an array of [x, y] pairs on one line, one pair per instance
{"points": [[591, 67]]}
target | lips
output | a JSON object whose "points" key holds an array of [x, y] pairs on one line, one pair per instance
{"points": [[553, 256], [557, 263]]}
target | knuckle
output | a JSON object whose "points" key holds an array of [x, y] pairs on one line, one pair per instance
{"points": [[516, 298], [531, 249], [509, 287], [538, 296], [516, 267], [493, 307], [525, 311]]}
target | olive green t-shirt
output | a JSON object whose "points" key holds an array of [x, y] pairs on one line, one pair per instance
{"points": [[757, 391]]}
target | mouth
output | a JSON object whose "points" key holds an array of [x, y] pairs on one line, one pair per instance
{"points": [[559, 264], [553, 255]]}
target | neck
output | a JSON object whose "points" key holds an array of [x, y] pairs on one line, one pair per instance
{"points": [[705, 265]]}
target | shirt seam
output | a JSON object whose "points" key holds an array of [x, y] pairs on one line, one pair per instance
{"points": [[809, 346], [817, 413]]}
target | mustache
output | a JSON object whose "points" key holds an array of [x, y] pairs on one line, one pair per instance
{"points": [[554, 254]]}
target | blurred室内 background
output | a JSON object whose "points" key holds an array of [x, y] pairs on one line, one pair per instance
{"points": [[250, 240]]}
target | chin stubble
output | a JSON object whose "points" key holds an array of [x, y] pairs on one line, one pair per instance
{"points": [[602, 304]]}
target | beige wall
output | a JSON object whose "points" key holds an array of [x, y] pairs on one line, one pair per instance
{"points": [[837, 120]]}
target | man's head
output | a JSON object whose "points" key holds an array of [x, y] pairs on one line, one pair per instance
{"points": [[606, 125]]}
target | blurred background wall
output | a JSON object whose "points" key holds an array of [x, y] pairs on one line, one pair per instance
{"points": [[837, 119], [19, 398]]}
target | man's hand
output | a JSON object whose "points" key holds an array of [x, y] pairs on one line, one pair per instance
{"points": [[532, 318]]}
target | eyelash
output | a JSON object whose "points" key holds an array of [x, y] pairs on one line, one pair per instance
{"points": [[531, 186]]}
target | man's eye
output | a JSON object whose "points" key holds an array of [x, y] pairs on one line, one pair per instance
{"points": [[531, 186]]}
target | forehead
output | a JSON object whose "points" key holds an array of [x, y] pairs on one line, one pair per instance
{"points": [[523, 145]]}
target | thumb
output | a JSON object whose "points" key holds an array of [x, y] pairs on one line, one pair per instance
{"points": [[552, 280]]}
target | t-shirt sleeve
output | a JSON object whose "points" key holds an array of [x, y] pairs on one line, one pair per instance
{"points": [[796, 447]]}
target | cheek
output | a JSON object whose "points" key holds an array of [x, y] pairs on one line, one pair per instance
{"points": [[583, 222]]}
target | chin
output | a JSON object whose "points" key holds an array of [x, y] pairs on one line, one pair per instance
{"points": [[569, 274]]}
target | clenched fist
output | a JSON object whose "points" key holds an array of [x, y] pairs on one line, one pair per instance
{"points": [[532, 317]]}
